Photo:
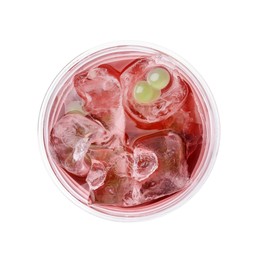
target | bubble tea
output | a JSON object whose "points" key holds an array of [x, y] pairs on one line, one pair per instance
{"points": [[129, 131]]}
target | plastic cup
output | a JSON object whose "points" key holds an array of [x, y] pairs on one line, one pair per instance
{"points": [[51, 111]]}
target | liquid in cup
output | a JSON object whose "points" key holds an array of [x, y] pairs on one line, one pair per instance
{"points": [[129, 131]]}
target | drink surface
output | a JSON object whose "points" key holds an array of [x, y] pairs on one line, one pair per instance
{"points": [[128, 131]]}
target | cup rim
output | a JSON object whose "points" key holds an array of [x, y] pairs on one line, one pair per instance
{"points": [[212, 150]]}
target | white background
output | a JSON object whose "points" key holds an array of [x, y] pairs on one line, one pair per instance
{"points": [[220, 39]]}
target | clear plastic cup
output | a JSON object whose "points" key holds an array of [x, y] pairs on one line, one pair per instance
{"points": [[51, 111]]}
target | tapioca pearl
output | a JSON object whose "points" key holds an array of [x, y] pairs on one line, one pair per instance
{"points": [[144, 93], [75, 107], [158, 78]]}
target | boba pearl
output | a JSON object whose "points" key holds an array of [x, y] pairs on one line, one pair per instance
{"points": [[158, 78], [144, 93], [74, 107]]}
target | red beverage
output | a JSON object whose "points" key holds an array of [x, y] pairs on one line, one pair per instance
{"points": [[129, 131]]}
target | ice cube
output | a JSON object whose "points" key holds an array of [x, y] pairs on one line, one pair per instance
{"points": [[74, 103], [163, 154], [81, 147], [171, 174], [132, 197], [118, 159], [78, 167], [188, 119], [100, 89], [96, 175], [102, 154], [145, 163], [123, 162], [171, 99], [118, 191], [71, 138], [188, 123]]}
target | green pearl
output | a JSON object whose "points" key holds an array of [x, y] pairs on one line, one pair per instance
{"points": [[158, 78], [144, 93], [74, 107]]}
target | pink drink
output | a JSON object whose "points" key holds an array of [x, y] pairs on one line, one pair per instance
{"points": [[129, 131]]}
